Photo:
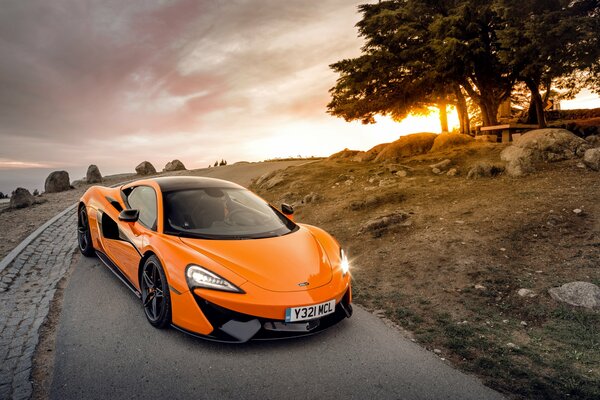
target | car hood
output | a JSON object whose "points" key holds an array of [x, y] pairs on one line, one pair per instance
{"points": [[280, 264]]}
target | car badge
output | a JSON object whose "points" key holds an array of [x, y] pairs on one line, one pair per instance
{"points": [[303, 284]]}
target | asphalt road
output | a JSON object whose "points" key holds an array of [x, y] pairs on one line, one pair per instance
{"points": [[105, 348]]}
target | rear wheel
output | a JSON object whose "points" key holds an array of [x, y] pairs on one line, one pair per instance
{"points": [[155, 293], [84, 236]]}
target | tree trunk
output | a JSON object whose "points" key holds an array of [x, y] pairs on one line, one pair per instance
{"points": [[536, 98], [463, 113], [443, 116], [532, 112]]}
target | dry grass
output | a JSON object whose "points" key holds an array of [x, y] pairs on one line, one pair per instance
{"points": [[501, 233]]}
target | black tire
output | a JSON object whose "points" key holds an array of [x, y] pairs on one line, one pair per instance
{"points": [[84, 236], [156, 298]]}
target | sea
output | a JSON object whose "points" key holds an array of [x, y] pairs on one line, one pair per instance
{"points": [[33, 178]]}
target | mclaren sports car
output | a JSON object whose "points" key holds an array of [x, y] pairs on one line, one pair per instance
{"points": [[213, 259]]}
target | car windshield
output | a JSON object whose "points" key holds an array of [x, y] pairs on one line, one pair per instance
{"points": [[222, 213]]}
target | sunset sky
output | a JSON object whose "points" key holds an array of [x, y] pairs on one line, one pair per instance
{"points": [[117, 82]]}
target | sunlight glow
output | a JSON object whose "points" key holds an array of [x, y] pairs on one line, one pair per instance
{"points": [[10, 164]]}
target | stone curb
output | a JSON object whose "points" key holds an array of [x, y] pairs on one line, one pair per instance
{"points": [[21, 246]]}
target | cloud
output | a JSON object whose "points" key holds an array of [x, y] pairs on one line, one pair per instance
{"points": [[81, 81]]}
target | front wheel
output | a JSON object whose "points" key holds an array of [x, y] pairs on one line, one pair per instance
{"points": [[155, 293], [84, 236]]}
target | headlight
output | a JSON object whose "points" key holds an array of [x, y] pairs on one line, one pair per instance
{"points": [[345, 262], [198, 277]]}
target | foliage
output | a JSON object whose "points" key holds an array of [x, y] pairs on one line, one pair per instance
{"points": [[550, 40], [419, 53]]}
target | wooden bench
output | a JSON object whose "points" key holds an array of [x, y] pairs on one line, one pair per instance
{"points": [[506, 130]]}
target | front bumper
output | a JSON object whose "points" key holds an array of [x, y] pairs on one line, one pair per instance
{"points": [[236, 327]]}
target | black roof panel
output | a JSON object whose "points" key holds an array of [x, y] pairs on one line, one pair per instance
{"points": [[173, 183]]}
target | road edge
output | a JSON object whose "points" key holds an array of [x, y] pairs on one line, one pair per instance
{"points": [[21, 246]]}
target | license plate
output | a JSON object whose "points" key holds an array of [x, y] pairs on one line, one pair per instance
{"points": [[309, 312]]}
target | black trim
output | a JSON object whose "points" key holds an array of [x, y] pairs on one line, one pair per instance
{"points": [[170, 183], [123, 236], [174, 290], [217, 316], [114, 203], [115, 270]]}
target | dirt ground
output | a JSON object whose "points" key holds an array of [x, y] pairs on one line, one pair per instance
{"points": [[450, 269]]}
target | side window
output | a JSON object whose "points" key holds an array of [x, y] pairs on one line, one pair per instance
{"points": [[143, 198]]}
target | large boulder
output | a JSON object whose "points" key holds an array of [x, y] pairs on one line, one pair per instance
{"points": [[446, 141], [174, 165], [593, 140], [93, 174], [591, 158], [548, 144], [344, 154], [21, 198], [407, 146], [145, 168], [577, 294], [370, 154], [57, 181]]}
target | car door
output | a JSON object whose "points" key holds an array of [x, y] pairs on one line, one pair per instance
{"points": [[126, 250]]}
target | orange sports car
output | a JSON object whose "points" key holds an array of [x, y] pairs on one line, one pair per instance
{"points": [[213, 259]]}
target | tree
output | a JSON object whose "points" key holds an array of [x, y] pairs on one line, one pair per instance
{"points": [[216, 163], [549, 41], [223, 162], [393, 76], [419, 53]]}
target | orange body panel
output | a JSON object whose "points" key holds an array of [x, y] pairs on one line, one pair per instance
{"points": [[269, 270]]}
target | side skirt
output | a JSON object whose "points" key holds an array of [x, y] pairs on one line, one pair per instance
{"points": [[115, 270]]}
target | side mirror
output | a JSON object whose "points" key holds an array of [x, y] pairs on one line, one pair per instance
{"points": [[129, 215], [287, 210]]}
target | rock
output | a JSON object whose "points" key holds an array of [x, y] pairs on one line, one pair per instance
{"points": [[407, 146], [519, 161], [484, 170], [92, 175], [593, 140], [379, 225], [174, 165], [436, 171], [578, 211], [369, 155], [344, 154], [526, 293], [437, 351], [145, 168], [402, 173], [452, 172], [57, 181], [523, 323], [442, 165], [511, 345], [21, 198], [591, 158], [274, 181], [550, 144], [445, 141], [386, 182], [479, 287], [312, 198], [263, 178], [577, 294]]}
